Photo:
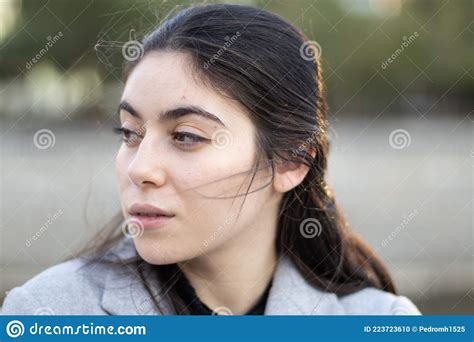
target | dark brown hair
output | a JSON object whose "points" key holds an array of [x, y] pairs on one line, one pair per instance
{"points": [[271, 69]]}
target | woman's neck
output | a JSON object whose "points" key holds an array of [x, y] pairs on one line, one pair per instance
{"points": [[236, 275]]}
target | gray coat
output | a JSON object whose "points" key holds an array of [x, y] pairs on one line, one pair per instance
{"points": [[78, 287]]}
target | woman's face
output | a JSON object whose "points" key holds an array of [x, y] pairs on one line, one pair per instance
{"points": [[188, 164]]}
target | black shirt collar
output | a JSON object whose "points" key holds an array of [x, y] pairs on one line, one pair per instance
{"points": [[187, 292]]}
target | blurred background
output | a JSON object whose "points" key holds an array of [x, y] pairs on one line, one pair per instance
{"points": [[400, 88]]}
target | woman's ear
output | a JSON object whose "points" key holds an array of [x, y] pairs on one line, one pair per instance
{"points": [[289, 175]]}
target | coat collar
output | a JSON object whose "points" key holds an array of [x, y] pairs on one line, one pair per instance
{"points": [[290, 293], [124, 293]]}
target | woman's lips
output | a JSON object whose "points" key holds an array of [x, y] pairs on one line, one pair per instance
{"points": [[148, 222], [148, 216]]}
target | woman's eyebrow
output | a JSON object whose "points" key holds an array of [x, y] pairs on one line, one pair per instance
{"points": [[173, 114]]}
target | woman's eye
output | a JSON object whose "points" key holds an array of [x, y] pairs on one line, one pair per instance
{"points": [[184, 140], [187, 140], [128, 136]]}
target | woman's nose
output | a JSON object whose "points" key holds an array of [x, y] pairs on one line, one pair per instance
{"points": [[146, 168]]}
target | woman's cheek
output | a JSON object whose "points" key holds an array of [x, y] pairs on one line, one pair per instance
{"points": [[191, 177]]}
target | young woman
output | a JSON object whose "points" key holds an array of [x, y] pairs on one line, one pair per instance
{"points": [[222, 178]]}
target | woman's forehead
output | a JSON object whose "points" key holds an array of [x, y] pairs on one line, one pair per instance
{"points": [[165, 80], [162, 75]]}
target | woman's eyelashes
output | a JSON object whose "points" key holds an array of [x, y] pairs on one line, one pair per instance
{"points": [[188, 140], [182, 139], [129, 137]]}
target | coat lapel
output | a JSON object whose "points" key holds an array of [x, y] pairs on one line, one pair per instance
{"points": [[291, 294], [124, 293]]}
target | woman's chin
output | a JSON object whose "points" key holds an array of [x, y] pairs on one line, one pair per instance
{"points": [[158, 254]]}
